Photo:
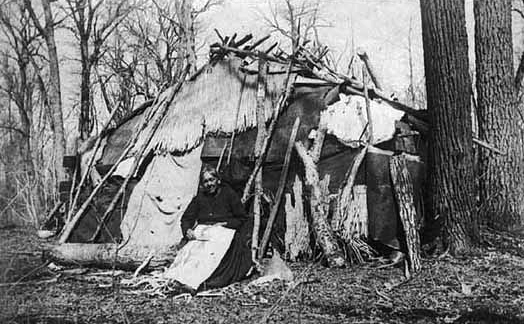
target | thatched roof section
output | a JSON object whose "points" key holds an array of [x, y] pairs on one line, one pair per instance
{"points": [[209, 104]]}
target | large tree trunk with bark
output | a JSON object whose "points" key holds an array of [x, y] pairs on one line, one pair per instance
{"points": [[502, 184], [448, 87]]}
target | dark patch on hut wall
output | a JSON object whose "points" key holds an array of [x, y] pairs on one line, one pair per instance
{"points": [[118, 139], [88, 224], [384, 223]]}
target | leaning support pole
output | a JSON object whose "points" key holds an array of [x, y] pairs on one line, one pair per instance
{"points": [[371, 70], [280, 190], [319, 209], [265, 146], [261, 136], [403, 188]]}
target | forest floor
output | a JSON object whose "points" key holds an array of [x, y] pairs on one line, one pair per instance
{"points": [[484, 288]]}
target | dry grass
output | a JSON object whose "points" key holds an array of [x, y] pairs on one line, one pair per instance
{"points": [[483, 288], [209, 104]]}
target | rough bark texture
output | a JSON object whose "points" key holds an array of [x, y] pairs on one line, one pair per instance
{"points": [[500, 123], [404, 194], [448, 87], [319, 210]]}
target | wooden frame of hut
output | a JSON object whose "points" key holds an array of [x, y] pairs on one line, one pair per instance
{"points": [[258, 116]]}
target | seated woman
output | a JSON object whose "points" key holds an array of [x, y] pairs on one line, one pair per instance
{"points": [[216, 228]]}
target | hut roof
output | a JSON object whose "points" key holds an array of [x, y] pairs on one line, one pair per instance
{"points": [[210, 103]]}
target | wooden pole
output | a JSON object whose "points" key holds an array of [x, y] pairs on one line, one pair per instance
{"points": [[372, 71], [261, 135], [349, 180], [368, 110], [280, 105], [403, 188], [280, 190]]}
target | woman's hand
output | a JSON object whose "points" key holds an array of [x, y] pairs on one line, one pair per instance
{"points": [[190, 234]]}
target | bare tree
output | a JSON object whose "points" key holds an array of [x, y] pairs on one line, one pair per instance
{"points": [[93, 23], [296, 19], [54, 94], [148, 51], [18, 83], [20, 75]]}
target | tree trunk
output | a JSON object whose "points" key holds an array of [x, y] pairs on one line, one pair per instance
{"points": [[54, 92], [85, 122], [502, 184], [448, 87], [184, 9]]}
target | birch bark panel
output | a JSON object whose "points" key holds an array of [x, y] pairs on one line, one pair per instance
{"points": [[297, 226]]}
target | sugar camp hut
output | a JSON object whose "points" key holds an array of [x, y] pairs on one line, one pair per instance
{"points": [[153, 158]]}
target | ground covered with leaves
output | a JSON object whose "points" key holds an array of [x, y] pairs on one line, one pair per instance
{"points": [[483, 288]]}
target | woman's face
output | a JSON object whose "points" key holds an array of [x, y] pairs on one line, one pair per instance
{"points": [[209, 183]]}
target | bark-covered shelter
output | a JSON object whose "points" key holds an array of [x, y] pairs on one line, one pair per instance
{"points": [[211, 118]]}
